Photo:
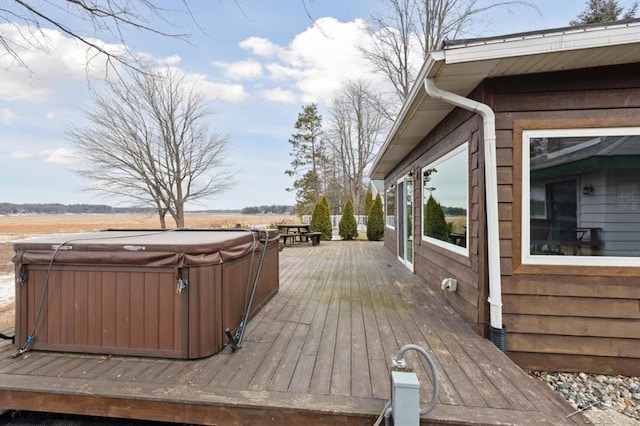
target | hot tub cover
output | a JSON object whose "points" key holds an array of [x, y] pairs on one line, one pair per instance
{"points": [[179, 248]]}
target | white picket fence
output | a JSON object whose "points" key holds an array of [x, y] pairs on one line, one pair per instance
{"points": [[361, 220]]}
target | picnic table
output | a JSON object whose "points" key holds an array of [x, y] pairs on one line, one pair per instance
{"points": [[295, 232]]}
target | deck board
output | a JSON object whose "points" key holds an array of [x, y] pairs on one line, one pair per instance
{"points": [[318, 353]]}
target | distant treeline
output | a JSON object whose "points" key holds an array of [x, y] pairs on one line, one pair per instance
{"points": [[57, 208], [454, 211], [273, 209]]}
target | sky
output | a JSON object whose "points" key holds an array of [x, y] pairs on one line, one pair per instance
{"points": [[257, 61]]}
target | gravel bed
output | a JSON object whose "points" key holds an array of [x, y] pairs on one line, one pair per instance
{"points": [[603, 399]]}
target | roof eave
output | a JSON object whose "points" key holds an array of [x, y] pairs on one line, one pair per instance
{"points": [[493, 58], [429, 69]]}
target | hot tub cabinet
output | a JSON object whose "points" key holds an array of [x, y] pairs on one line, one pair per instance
{"points": [[149, 293]]}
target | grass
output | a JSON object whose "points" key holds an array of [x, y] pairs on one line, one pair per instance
{"points": [[459, 223]]}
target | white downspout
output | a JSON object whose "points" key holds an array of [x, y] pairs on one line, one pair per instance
{"points": [[491, 188]]}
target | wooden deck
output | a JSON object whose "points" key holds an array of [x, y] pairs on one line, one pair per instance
{"points": [[316, 354]]}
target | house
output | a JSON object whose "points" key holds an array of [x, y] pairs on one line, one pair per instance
{"points": [[528, 145]]}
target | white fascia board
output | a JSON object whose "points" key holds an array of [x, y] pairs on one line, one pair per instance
{"points": [[567, 40], [430, 66]]}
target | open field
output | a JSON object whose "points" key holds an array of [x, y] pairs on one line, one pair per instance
{"points": [[50, 223], [23, 226], [18, 227], [459, 223]]}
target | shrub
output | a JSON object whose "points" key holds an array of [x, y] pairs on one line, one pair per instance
{"points": [[435, 224], [348, 227], [321, 218], [368, 202], [375, 221]]}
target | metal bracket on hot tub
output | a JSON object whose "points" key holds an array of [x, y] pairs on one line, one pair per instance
{"points": [[233, 342], [181, 285]]}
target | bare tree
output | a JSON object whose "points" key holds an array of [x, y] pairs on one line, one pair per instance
{"points": [[84, 20], [148, 141], [333, 181], [356, 129], [412, 29], [394, 44]]}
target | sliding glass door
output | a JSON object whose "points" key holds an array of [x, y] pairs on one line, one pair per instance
{"points": [[405, 221]]}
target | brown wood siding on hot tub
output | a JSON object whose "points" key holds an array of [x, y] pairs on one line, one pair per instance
{"points": [[117, 292]]}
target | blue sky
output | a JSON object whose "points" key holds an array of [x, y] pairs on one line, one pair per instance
{"points": [[258, 63]]}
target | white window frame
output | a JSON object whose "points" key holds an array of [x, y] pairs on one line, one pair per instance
{"points": [[464, 251], [387, 204], [529, 259]]}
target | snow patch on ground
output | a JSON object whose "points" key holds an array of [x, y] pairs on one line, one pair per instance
{"points": [[7, 281], [7, 290], [7, 302]]}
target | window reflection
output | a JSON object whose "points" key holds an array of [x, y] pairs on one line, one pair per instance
{"points": [[445, 196], [584, 192], [390, 204]]}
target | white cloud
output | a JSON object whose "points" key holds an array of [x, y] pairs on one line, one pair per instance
{"points": [[51, 115], [149, 58], [329, 54], [64, 156], [317, 61], [241, 70], [21, 155], [233, 93], [260, 46], [7, 117], [283, 73], [172, 60], [47, 60], [280, 95], [216, 91]]}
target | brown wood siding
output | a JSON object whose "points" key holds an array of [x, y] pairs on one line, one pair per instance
{"points": [[238, 280], [269, 282], [391, 239], [106, 310], [237, 289], [564, 317], [131, 310], [434, 263], [205, 310]]}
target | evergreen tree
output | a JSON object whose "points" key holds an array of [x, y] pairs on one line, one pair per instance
{"points": [[435, 225], [600, 11], [375, 222], [321, 219], [348, 227], [308, 153], [306, 193], [368, 202]]}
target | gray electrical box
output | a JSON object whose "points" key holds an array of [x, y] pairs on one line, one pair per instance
{"points": [[405, 398]]}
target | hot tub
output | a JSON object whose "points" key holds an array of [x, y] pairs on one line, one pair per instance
{"points": [[142, 292]]}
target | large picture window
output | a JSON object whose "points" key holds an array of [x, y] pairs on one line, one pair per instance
{"points": [[581, 196], [390, 204], [445, 199]]}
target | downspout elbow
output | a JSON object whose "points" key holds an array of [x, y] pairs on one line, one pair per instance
{"points": [[488, 116], [491, 190]]}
